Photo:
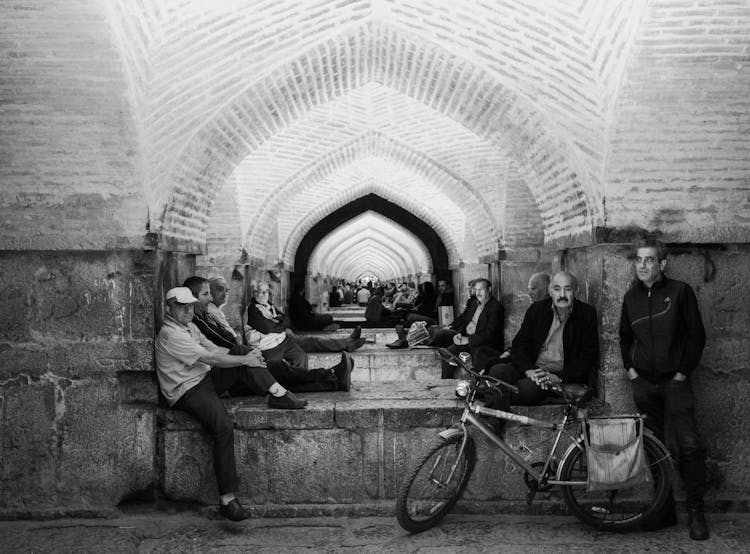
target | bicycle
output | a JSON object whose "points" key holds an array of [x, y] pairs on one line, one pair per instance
{"points": [[440, 477]]}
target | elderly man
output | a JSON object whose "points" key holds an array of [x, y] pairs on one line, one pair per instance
{"points": [[482, 327], [661, 341], [299, 379], [557, 343], [219, 289], [269, 329], [538, 287], [193, 372]]}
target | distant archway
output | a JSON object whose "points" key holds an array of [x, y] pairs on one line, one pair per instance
{"points": [[372, 202]]}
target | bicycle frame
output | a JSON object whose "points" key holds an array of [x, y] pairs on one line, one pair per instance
{"points": [[538, 476]]}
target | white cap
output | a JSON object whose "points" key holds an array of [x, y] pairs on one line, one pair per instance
{"points": [[182, 295]]}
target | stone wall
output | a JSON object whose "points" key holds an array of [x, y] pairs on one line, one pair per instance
{"points": [[76, 331], [717, 274]]}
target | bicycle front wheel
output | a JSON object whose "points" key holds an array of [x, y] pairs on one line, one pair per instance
{"points": [[617, 510], [435, 484]]}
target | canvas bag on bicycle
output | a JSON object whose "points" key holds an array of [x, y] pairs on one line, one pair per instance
{"points": [[417, 333], [614, 453]]}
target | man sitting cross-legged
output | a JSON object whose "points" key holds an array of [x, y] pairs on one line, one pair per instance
{"points": [[269, 329], [193, 372], [557, 343], [298, 379]]}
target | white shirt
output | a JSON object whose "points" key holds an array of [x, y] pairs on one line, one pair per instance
{"points": [[178, 349]]}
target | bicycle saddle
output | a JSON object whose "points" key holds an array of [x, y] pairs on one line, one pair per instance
{"points": [[577, 394]]}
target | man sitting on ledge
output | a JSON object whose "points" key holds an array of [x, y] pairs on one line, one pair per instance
{"points": [[193, 372], [557, 343], [299, 379], [304, 317], [269, 329]]}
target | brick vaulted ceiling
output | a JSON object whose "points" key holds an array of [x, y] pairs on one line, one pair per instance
{"points": [[431, 104], [499, 123]]}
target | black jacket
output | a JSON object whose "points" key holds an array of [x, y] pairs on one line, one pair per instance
{"points": [[213, 331], [489, 331], [580, 340], [661, 331], [260, 322]]}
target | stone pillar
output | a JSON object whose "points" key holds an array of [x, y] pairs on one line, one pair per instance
{"points": [[77, 386]]}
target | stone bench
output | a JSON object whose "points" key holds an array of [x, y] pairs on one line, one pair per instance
{"points": [[346, 450]]}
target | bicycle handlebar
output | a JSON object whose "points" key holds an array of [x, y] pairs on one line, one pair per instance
{"points": [[448, 356]]}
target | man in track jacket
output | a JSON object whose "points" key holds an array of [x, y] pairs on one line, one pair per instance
{"points": [[661, 341]]}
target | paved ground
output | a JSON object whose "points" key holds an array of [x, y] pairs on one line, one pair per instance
{"points": [[149, 531]]}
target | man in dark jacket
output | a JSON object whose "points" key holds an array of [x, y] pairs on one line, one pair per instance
{"points": [[661, 341], [482, 327], [557, 343]]}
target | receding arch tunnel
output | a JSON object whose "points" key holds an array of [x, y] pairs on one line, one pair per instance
{"points": [[372, 202]]}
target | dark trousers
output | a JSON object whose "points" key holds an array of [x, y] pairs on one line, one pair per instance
{"points": [[669, 411], [288, 351], [448, 370], [202, 402], [529, 393], [314, 323]]}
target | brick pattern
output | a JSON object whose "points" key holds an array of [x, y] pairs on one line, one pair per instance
{"points": [[680, 140], [69, 159], [460, 91], [391, 251]]}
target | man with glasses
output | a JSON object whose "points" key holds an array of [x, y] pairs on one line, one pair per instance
{"points": [[661, 342]]}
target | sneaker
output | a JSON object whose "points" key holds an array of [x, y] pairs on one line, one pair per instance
{"points": [[697, 524], [343, 372], [356, 333], [332, 327], [286, 402], [355, 344], [234, 511]]}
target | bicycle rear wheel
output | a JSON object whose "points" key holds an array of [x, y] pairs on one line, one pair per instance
{"points": [[617, 510], [435, 484]]}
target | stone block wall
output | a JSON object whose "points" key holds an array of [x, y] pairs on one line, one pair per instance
{"points": [[76, 328]]}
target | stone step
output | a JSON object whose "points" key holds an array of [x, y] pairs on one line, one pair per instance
{"points": [[349, 449], [374, 335], [377, 363]]}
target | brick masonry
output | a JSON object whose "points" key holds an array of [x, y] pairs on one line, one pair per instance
{"points": [[135, 135]]}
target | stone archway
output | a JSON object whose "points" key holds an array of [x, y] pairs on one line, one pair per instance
{"points": [[372, 202]]}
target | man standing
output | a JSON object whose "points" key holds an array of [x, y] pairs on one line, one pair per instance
{"points": [[661, 341], [193, 372], [483, 326], [557, 343]]}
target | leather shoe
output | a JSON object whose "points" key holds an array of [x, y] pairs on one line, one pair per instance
{"points": [[286, 402], [343, 372], [398, 343], [697, 524], [355, 344], [234, 511], [356, 333]]}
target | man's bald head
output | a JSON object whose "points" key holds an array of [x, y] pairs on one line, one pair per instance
{"points": [[538, 286]]}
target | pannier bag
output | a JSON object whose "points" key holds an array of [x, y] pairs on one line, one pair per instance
{"points": [[614, 453], [417, 333]]}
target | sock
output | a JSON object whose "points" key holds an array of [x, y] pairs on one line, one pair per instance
{"points": [[226, 498], [277, 390]]}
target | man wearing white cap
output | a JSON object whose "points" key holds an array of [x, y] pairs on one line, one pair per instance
{"points": [[193, 372]]}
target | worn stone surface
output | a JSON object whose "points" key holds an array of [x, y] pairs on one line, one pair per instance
{"points": [[143, 529]]}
